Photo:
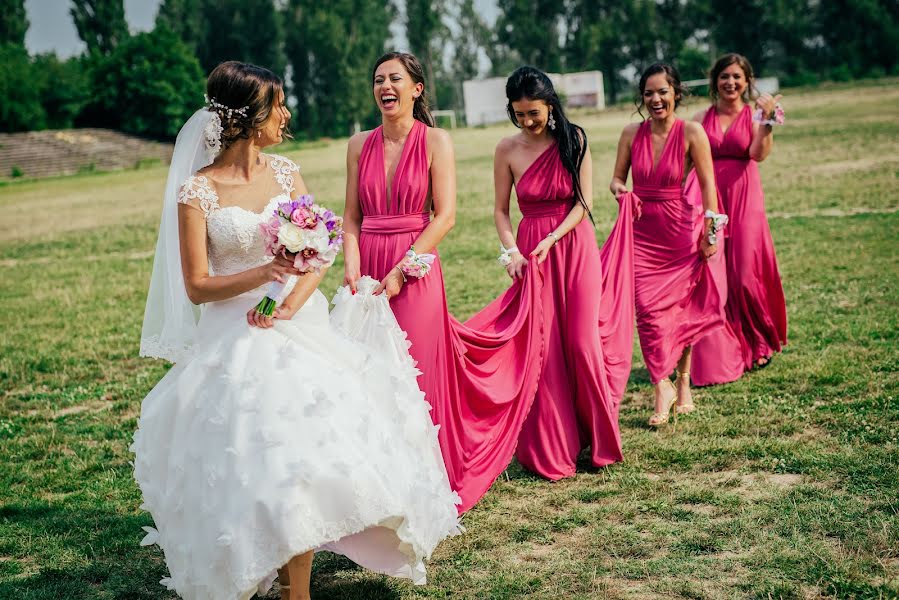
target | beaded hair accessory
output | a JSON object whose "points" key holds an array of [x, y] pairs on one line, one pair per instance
{"points": [[213, 131]]}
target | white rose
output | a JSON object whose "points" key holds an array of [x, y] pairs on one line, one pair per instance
{"points": [[291, 237]]}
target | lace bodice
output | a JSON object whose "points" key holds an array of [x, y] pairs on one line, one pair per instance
{"points": [[234, 240]]}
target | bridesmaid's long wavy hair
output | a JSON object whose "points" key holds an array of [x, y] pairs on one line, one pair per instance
{"points": [[725, 61], [533, 84], [673, 77], [420, 110]]}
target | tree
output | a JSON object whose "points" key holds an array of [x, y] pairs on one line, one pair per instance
{"points": [[427, 35], [13, 22], [20, 106], [100, 23], [183, 18], [149, 85], [471, 38], [332, 52], [64, 88], [246, 30], [530, 28]]}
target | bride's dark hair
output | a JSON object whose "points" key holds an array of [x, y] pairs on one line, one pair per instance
{"points": [[533, 84], [233, 85], [420, 109]]}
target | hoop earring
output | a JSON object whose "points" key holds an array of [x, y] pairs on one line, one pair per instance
{"points": [[551, 122]]}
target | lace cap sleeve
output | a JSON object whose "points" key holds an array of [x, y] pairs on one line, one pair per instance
{"points": [[284, 169], [197, 193]]}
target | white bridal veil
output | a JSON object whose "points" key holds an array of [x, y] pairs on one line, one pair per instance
{"points": [[170, 318]]}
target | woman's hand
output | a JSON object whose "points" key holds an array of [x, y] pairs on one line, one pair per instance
{"points": [[516, 268], [542, 249], [767, 103], [257, 319], [350, 276], [618, 189], [392, 283], [707, 250], [280, 269]]}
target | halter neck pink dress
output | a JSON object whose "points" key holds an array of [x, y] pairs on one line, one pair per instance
{"points": [[680, 297], [480, 378], [588, 309], [756, 310]]}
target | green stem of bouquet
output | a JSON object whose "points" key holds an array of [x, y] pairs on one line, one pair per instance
{"points": [[266, 307]]}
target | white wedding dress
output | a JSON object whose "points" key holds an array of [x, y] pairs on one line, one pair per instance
{"points": [[262, 444]]}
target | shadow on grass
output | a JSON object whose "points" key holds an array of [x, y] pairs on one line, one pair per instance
{"points": [[82, 553]]}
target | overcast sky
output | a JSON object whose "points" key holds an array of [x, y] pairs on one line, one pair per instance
{"points": [[51, 28]]}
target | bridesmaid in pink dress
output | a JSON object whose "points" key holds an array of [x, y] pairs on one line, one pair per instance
{"points": [[756, 309], [678, 278], [588, 353], [480, 378]]}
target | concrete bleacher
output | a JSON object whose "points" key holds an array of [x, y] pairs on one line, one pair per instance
{"points": [[68, 151]]}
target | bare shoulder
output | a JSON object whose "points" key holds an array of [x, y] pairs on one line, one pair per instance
{"points": [[629, 131], [439, 138], [354, 147], [699, 115], [694, 131], [505, 146]]}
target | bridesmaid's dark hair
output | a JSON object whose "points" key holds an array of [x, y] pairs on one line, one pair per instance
{"points": [[420, 110], [673, 77], [533, 84], [234, 85], [725, 61]]}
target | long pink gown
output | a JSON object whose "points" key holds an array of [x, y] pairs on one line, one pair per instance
{"points": [[679, 296], [756, 309], [481, 377], [588, 323]]}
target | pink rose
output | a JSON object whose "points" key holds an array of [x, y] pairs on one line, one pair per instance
{"points": [[303, 217]]}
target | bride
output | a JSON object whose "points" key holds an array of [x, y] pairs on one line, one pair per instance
{"points": [[271, 437]]}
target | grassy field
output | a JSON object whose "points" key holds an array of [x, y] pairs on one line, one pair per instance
{"points": [[784, 484]]}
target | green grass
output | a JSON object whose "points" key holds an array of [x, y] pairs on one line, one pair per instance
{"points": [[783, 485]]}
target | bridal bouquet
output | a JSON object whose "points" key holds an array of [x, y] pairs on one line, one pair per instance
{"points": [[307, 232]]}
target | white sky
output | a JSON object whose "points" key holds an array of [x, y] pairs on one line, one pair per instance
{"points": [[51, 28]]}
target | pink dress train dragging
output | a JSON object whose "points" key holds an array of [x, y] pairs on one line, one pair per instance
{"points": [[756, 310], [479, 378], [588, 326], [679, 296]]}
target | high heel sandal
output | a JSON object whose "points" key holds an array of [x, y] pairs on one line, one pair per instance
{"points": [[683, 409], [658, 419]]}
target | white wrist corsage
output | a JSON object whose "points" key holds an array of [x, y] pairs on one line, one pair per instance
{"points": [[505, 256], [775, 119], [718, 223], [417, 265]]}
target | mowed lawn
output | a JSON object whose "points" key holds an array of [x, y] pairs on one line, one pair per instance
{"points": [[784, 484]]}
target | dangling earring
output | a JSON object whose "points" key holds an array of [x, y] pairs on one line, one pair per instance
{"points": [[552, 121], [259, 133]]}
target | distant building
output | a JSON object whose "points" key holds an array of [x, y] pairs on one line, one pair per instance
{"points": [[485, 99]]}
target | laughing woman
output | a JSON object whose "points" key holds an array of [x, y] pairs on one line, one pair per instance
{"points": [[678, 276], [756, 309]]}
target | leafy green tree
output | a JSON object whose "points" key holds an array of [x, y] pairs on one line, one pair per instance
{"points": [[531, 30], [64, 88], [13, 22], [149, 85], [246, 30], [184, 18], [100, 23], [428, 35], [860, 36], [472, 36], [332, 51], [20, 106]]}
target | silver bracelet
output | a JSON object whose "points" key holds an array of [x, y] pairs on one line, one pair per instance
{"points": [[553, 235]]}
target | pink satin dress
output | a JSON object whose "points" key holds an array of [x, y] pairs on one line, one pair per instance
{"points": [[679, 296], [756, 309], [480, 378], [588, 310]]}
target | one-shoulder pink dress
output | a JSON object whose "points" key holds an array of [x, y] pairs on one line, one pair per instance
{"points": [[756, 309], [679, 296], [588, 321], [481, 377]]}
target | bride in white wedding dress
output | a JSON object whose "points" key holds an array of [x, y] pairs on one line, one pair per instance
{"points": [[271, 438]]}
